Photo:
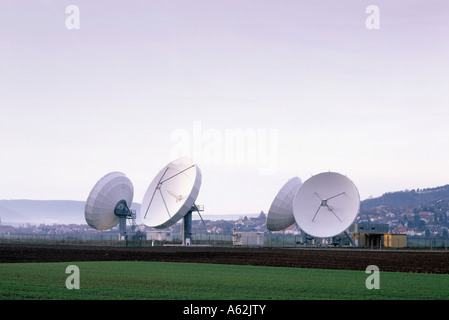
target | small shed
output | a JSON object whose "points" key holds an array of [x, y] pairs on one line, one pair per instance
{"points": [[159, 235], [248, 238]]}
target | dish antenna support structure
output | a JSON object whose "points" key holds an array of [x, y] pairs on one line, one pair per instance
{"points": [[124, 213], [171, 197]]}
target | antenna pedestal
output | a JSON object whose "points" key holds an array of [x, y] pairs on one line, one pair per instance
{"points": [[187, 224], [122, 227], [187, 229], [123, 212]]}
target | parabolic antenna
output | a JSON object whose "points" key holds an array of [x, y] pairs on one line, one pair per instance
{"points": [[171, 194], [109, 201], [280, 215], [326, 205]]}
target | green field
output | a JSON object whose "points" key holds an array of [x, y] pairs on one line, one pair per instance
{"points": [[161, 280]]}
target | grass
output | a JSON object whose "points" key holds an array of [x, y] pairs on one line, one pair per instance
{"points": [[180, 281]]}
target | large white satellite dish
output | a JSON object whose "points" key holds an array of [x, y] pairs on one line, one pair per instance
{"points": [[109, 201], [171, 194], [280, 215], [326, 205]]}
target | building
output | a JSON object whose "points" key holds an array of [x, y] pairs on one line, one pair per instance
{"points": [[395, 240], [426, 216], [377, 236], [248, 238], [159, 236]]}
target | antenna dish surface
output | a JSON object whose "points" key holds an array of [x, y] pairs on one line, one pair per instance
{"points": [[326, 204], [100, 206], [171, 194], [280, 215]]}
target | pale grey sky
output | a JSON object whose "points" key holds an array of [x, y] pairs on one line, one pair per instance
{"points": [[115, 94]]}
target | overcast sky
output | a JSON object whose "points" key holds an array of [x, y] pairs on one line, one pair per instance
{"points": [[312, 87]]}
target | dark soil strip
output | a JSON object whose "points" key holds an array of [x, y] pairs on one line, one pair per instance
{"points": [[346, 259]]}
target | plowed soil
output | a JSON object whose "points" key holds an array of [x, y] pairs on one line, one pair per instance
{"points": [[331, 258]]}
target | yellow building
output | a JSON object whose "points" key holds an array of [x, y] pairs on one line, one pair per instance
{"points": [[377, 235], [395, 240]]}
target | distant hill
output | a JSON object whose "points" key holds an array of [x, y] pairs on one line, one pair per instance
{"points": [[67, 211], [408, 198], [44, 211], [41, 211]]}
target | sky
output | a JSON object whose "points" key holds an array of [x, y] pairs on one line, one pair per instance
{"points": [[255, 91]]}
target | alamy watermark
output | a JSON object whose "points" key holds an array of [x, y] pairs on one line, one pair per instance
{"points": [[372, 22], [373, 280], [254, 147], [72, 22], [72, 281]]}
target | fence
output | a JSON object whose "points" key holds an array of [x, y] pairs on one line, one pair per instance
{"points": [[431, 243], [227, 240], [112, 239], [102, 239], [270, 240]]}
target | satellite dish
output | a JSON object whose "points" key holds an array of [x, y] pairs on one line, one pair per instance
{"points": [[326, 205], [171, 194], [109, 201], [280, 215]]}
